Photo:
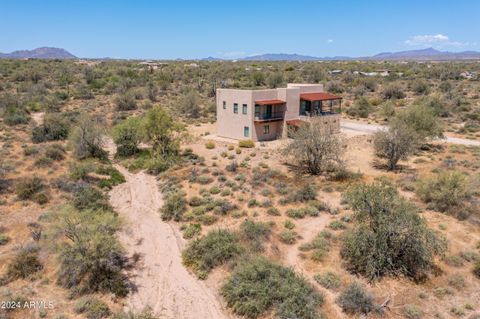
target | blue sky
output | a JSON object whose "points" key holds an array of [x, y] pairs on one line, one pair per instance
{"points": [[232, 29]]}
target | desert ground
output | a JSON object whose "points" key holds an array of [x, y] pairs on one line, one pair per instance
{"points": [[118, 200]]}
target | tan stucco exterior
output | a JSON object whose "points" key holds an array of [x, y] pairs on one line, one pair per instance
{"points": [[237, 125]]}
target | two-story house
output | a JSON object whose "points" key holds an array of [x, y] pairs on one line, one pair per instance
{"points": [[262, 115]]}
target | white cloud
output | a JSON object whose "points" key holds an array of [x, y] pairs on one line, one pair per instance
{"points": [[435, 40], [329, 41]]}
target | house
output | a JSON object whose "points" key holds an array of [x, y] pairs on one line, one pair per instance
{"points": [[262, 115]]}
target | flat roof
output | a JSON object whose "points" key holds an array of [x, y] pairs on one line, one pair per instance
{"points": [[319, 96]]}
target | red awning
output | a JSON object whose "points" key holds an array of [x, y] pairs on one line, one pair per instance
{"points": [[320, 96], [269, 102]]}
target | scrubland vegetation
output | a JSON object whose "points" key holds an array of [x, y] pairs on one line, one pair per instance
{"points": [[325, 224]]}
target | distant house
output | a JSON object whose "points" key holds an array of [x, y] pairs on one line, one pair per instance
{"points": [[335, 72], [262, 115], [152, 65], [469, 75]]}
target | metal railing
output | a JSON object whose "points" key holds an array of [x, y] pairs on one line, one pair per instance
{"points": [[262, 116]]}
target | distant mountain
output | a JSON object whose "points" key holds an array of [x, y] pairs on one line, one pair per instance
{"points": [[429, 54], [281, 57], [211, 58], [39, 53], [426, 54]]}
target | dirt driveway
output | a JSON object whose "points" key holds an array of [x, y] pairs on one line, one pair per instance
{"points": [[163, 283]]}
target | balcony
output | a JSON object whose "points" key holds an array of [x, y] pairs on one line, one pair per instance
{"points": [[269, 116]]}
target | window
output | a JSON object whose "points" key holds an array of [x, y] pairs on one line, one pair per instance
{"points": [[246, 131], [244, 109], [257, 110], [266, 129], [235, 108], [224, 105]]}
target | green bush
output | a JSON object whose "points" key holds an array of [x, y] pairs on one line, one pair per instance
{"points": [[14, 116], [258, 286], [412, 312], [354, 299], [54, 128], [246, 143], [447, 191], [92, 308], [126, 102], [255, 233], [24, 264], [328, 280], [55, 152], [210, 145], [288, 236], [361, 108], [191, 230], [127, 136], [390, 237], [207, 252], [87, 139], [393, 91], [476, 268], [174, 206], [91, 258], [296, 213], [88, 197], [28, 187]]}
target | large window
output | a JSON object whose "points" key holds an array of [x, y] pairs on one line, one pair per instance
{"points": [[266, 129], [224, 105], [235, 108], [246, 131], [244, 109]]}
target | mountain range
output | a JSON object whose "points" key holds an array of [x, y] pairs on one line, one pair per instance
{"points": [[39, 53], [429, 54]]}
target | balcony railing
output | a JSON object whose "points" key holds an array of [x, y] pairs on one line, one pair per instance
{"points": [[269, 116]]}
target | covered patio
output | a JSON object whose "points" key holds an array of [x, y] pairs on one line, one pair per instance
{"points": [[269, 110], [318, 104]]}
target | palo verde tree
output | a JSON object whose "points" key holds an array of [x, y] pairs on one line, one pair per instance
{"points": [[314, 150], [87, 138], [390, 237]]}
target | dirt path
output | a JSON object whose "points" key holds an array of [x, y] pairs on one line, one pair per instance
{"points": [[357, 128], [163, 283], [309, 228]]}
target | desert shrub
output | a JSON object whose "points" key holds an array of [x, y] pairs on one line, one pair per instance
{"points": [[43, 162], [422, 120], [91, 258], [296, 213], [87, 138], [395, 144], [92, 308], [29, 187], [53, 128], [4, 239], [328, 280], [420, 87], [203, 179], [258, 286], [412, 312], [191, 230], [361, 108], [447, 191], [255, 233], [125, 102], [337, 224], [288, 236], [127, 136], [312, 150], [273, 211], [354, 299], [393, 91], [246, 143], [15, 116], [55, 152], [390, 238], [174, 206], [144, 314], [210, 145], [476, 268], [163, 133], [189, 104], [114, 176], [24, 264], [334, 87], [211, 250], [320, 245], [88, 197]]}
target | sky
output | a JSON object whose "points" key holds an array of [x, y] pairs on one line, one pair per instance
{"points": [[235, 29]]}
